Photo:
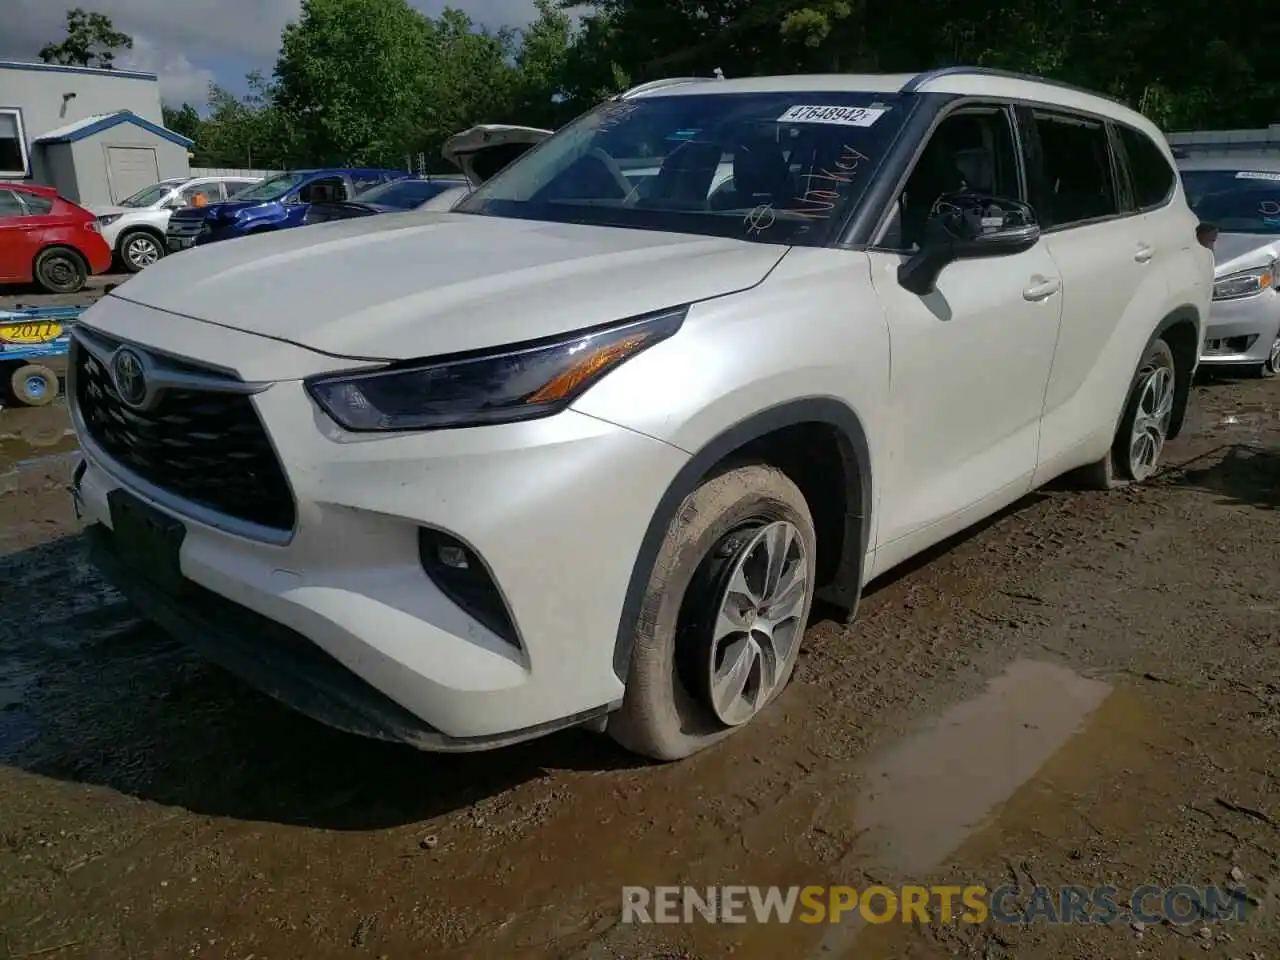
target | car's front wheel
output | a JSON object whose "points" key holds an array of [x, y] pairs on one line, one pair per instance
{"points": [[723, 615], [1144, 423], [139, 250]]}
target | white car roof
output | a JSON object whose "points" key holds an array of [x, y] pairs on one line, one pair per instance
{"points": [[970, 81]]}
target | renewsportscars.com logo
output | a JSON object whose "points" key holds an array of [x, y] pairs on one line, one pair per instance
{"points": [[1150, 904]]}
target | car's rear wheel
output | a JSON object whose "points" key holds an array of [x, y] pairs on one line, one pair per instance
{"points": [[139, 250], [61, 270], [1144, 425], [723, 615]]}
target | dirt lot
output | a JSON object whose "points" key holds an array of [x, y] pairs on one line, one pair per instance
{"points": [[1084, 692]]}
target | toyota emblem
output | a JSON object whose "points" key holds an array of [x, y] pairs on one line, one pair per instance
{"points": [[130, 376]]}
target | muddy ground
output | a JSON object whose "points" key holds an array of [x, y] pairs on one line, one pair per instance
{"points": [[1084, 692]]}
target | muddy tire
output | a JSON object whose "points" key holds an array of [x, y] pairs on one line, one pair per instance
{"points": [[60, 270], [724, 611], [1144, 425], [34, 385]]}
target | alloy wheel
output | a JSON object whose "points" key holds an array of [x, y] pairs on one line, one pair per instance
{"points": [[756, 628], [1151, 422], [141, 251]]}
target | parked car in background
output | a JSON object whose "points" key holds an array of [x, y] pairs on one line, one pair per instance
{"points": [[277, 203], [1239, 195], [48, 240], [398, 196], [585, 448], [135, 228], [479, 152]]}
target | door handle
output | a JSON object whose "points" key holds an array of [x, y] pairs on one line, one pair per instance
{"points": [[1041, 289], [1144, 253]]}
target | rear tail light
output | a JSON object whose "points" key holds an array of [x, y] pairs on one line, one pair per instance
{"points": [[1206, 235], [92, 226]]}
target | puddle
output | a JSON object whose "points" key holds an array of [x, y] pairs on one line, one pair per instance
{"points": [[930, 792], [33, 439], [17, 725]]}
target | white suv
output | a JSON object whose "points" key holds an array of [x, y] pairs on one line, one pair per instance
{"points": [[584, 451], [134, 229]]}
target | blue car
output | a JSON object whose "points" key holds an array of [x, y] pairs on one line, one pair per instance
{"points": [[276, 203], [398, 196]]}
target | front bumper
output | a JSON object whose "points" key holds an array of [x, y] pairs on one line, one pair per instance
{"points": [[556, 509], [1241, 332]]}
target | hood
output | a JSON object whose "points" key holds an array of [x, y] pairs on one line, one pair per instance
{"points": [[406, 285], [1233, 252], [485, 149], [105, 209]]}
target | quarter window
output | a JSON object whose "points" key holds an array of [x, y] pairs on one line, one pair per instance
{"points": [[37, 206], [13, 145], [1078, 181], [10, 205], [1150, 172]]}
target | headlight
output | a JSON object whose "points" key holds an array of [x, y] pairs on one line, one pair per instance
{"points": [[519, 383], [109, 218], [1245, 283]]}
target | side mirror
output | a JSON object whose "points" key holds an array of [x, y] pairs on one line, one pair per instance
{"points": [[964, 227]]}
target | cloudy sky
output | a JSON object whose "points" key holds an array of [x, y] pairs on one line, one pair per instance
{"points": [[190, 42]]}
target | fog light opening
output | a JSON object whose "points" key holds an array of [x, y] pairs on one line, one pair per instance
{"points": [[464, 578]]}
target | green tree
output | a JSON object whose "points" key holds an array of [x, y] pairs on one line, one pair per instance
{"points": [[91, 41], [249, 132], [184, 120], [352, 78]]}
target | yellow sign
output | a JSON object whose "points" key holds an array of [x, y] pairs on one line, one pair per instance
{"points": [[43, 331]]}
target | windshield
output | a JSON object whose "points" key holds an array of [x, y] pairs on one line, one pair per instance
{"points": [[768, 167], [149, 195], [1235, 201], [273, 188], [406, 194]]}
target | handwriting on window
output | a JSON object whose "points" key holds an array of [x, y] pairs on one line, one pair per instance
{"points": [[823, 188]]}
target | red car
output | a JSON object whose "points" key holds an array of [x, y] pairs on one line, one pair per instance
{"points": [[48, 239]]}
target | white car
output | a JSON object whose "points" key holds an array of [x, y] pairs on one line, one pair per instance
{"points": [[134, 229], [583, 450]]}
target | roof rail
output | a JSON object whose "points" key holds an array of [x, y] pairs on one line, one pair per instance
{"points": [[658, 84], [920, 79]]}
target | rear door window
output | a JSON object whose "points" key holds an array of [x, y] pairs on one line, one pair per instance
{"points": [[1079, 182]]}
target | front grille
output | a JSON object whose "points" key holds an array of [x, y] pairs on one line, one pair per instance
{"points": [[184, 227], [205, 447]]}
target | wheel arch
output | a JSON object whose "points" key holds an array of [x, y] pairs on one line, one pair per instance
{"points": [[820, 443], [58, 246], [154, 232]]}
